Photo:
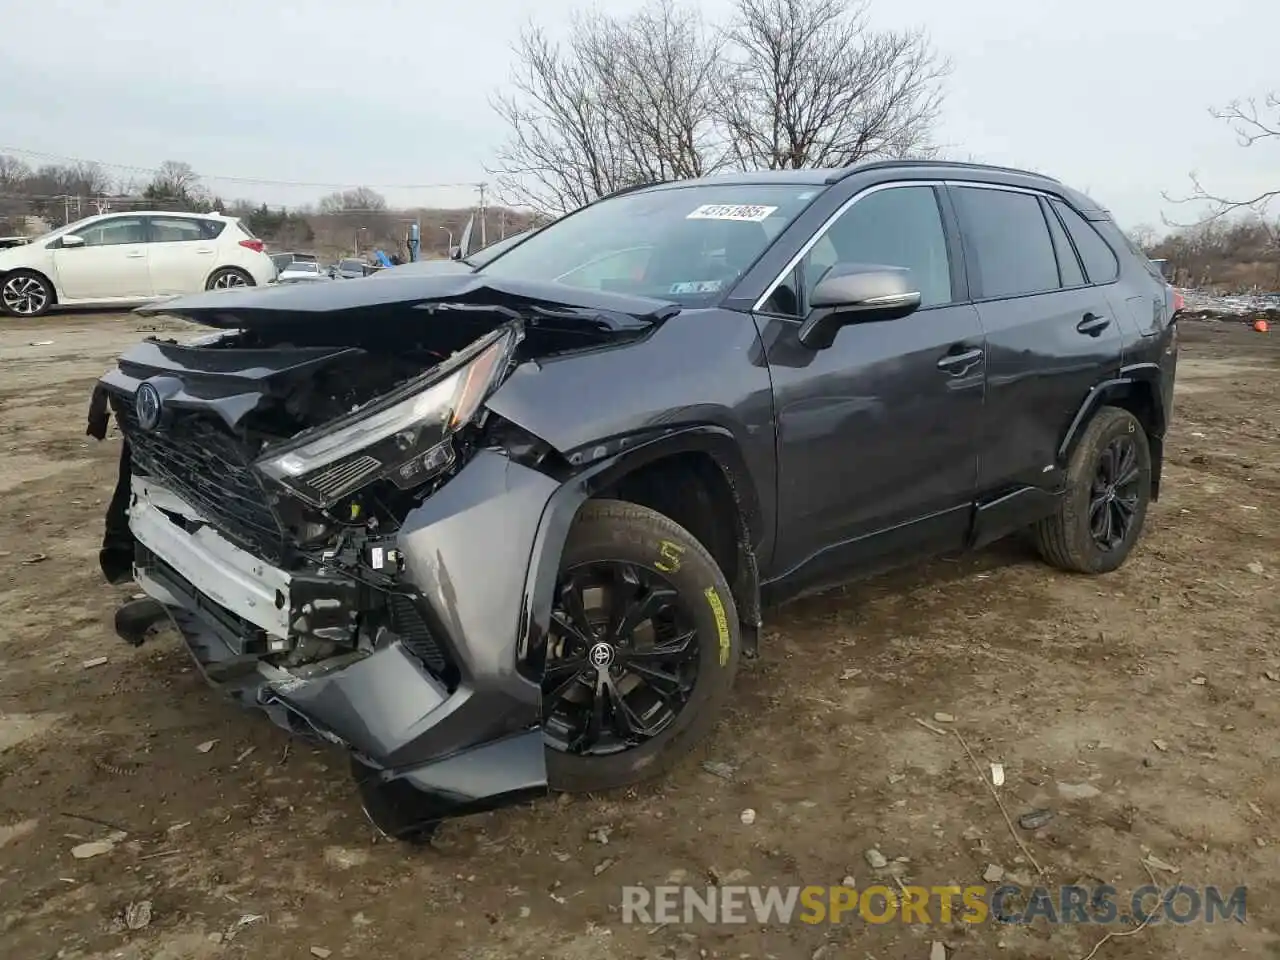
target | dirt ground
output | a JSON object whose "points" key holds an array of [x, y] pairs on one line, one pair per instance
{"points": [[1064, 680]]}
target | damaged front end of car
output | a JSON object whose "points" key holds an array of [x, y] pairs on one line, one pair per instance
{"points": [[343, 533]]}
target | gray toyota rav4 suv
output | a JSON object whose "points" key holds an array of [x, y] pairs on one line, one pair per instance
{"points": [[511, 525]]}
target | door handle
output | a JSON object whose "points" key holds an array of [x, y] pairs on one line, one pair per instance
{"points": [[204, 250], [136, 254], [958, 364], [1092, 324]]}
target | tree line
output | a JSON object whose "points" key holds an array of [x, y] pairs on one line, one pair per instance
{"points": [[345, 221]]}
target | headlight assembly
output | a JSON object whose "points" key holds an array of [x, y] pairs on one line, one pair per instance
{"points": [[405, 437]]}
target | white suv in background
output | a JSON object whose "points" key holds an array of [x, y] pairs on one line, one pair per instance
{"points": [[129, 258]]}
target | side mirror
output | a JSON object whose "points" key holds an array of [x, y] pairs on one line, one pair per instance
{"points": [[857, 293], [71, 240]]}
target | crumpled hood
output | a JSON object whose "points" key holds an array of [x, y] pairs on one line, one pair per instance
{"points": [[384, 300]]}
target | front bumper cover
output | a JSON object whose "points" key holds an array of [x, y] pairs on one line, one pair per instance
{"points": [[423, 750]]}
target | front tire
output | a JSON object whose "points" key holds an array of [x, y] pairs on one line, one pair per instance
{"points": [[227, 278], [642, 652], [25, 293], [1101, 515]]}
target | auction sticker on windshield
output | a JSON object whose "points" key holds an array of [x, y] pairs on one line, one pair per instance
{"points": [[696, 286], [751, 213]]}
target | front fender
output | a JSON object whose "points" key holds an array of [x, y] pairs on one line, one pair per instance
{"points": [[563, 506]]}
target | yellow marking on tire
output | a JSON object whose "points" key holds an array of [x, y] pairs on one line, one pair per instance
{"points": [[669, 555], [722, 623]]}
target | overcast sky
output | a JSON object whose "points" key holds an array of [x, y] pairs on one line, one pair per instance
{"points": [[1108, 95]]}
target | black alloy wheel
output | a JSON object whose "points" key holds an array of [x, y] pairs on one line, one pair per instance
{"points": [[622, 660], [1103, 507], [1113, 501]]}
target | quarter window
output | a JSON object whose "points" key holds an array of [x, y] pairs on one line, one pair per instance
{"points": [[1010, 242], [897, 227], [1100, 261], [109, 233]]}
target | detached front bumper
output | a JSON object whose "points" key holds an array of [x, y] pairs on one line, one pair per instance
{"points": [[424, 749]]}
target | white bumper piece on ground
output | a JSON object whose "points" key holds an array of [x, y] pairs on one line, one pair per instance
{"points": [[238, 581]]}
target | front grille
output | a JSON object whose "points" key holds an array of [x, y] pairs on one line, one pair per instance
{"points": [[205, 465]]}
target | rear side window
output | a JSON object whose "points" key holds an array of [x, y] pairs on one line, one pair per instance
{"points": [[1100, 261], [1068, 262], [1010, 242], [175, 230]]}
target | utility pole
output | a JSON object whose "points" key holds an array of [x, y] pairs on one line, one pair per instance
{"points": [[502, 223], [484, 216]]}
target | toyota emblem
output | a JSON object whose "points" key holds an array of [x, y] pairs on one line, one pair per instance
{"points": [[147, 406], [601, 655]]}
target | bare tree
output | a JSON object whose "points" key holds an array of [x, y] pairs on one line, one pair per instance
{"points": [[659, 76], [1252, 123], [810, 84], [1143, 236], [625, 100], [176, 185], [655, 96], [355, 200]]}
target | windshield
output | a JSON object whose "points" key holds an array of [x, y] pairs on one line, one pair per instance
{"points": [[304, 266], [66, 228], [485, 254], [686, 243]]}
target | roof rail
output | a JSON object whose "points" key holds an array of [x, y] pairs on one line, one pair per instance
{"points": [[844, 172]]}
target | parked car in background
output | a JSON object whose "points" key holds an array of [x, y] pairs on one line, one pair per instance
{"points": [[301, 271], [130, 258], [349, 269], [512, 527]]}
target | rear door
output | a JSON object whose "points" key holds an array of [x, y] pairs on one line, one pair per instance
{"points": [[182, 252], [112, 263], [1051, 335]]}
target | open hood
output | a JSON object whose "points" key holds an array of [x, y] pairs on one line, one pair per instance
{"points": [[366, 301]]}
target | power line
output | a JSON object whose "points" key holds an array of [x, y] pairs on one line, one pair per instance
{"points": [[255, 181]]}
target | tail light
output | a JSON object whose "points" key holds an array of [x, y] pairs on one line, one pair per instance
{"points": [[257, 246], [1178, 302]]}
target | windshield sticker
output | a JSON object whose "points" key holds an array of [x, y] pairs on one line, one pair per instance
{"points": [[696, 286], [750, 213]]}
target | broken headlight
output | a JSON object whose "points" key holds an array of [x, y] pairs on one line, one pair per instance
{"points": [[406, 437]]}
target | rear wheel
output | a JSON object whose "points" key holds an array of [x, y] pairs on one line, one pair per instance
{"points": [[643, 649], [1105, 505], [24, 293], [228, 277]]}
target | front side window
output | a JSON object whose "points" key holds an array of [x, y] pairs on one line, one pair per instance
{"points": [[897, 227], [689, 244], [1012, 251], [108, 233]]}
